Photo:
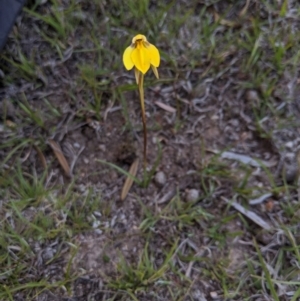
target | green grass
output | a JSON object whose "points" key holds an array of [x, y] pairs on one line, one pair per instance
{"points": [[144, 274], [63, 71]]}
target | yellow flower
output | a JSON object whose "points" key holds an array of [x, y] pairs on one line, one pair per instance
{"points": [[142, 55]]}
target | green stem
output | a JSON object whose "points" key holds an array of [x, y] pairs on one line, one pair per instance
{"points": [[141, 91]]}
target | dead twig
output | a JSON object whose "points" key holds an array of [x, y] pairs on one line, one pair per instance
{"points": [[60, 157], [129, 180]]}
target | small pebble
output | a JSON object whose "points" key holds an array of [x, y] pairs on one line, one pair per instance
{"points": [[98, 231], [264, 238], [122, 217], [213, 295], [155, 140], [215, 117], [97, 213], [86, 160], [102, 147], [192, 195], [252, 95], [76, 145], [160, 178], [289, 144], [290, 173]]}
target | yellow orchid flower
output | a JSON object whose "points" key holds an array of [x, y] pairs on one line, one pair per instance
{"points": [[142, 55]]}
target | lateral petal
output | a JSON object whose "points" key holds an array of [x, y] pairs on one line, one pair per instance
{"points": [[154, 55], [127, 61]]}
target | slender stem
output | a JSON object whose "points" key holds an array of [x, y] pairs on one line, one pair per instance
{"points": [[141, 91]]}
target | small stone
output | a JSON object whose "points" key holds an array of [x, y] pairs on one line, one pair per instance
{"points": [[86, 160], [122, 217], [192, 195], [102, 147], [155, 140], [264, 238], [214, 295], [76, 145], [289, 144], [252, 95], [97, 213], [291, 174], [98, 231], [160, 178], [215, 117]]}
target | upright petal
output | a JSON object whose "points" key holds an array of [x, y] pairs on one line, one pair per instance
{"points": [[141, 59], [139, 37], [127, 61], [154, 55]]}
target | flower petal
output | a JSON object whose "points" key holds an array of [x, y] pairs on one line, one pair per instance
{"points": [[137, 74], [155, 71], [141, 59], [154, 55], [127, 61]]}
